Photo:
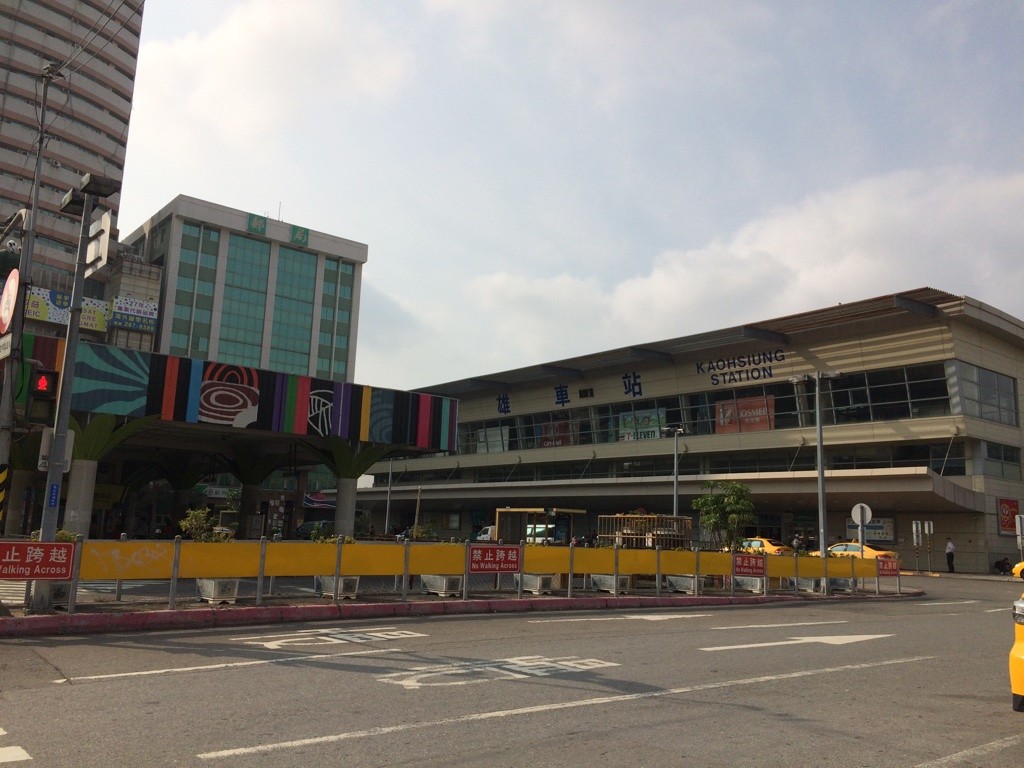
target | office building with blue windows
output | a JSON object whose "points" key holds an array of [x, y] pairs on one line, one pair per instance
{"points": [[243, 289]]}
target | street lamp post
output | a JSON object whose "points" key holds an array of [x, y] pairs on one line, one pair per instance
{"points": [[676, 432], [819, 460], [820, 463], [83, 198]]}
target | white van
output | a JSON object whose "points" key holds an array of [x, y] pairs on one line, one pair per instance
{"points": [[540, 534], [487, 533]]}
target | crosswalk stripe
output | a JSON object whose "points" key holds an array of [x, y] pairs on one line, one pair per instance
{"points": [[12, 592]]}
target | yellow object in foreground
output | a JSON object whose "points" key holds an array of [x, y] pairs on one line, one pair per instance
{"points": [[1017, 656]]}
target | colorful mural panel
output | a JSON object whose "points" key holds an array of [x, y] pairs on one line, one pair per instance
{"points": [[135, 384]]}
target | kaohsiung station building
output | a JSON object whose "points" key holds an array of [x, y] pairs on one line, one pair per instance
{"points": [[920, 420]]}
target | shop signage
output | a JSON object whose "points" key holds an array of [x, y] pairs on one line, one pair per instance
{"points": [[1008, 511], [745, 414]]}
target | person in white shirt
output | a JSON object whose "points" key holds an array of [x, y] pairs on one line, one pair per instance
{"points": [[950, 553]]}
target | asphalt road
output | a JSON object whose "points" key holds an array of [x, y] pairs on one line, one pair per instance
{"points": [[893, 682]]}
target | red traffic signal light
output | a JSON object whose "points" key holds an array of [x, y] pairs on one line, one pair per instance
{"points": [[43, 385]]}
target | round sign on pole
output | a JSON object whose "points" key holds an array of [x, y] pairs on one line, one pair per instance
{"points": [[861, 514], [8, 300]]}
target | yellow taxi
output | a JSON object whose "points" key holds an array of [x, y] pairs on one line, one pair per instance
{"points": [[1017, 656], [854, 549], [1018, 570], [759, 545]]}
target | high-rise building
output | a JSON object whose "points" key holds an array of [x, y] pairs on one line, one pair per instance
{"points": [[82, 55], [241, 289]]}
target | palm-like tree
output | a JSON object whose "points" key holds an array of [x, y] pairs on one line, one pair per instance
{"points": [[348, 461], [96, 439]]}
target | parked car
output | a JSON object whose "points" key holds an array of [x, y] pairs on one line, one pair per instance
{"points": [[762, 546], [853, 549], [308, 528], [1018, 570], [488, 533], [1017, 654]]}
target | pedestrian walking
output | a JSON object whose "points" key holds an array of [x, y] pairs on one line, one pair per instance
{"points": [[950, 554]]}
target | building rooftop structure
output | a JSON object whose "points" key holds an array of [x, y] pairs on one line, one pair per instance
{"points": [[919, 401]]}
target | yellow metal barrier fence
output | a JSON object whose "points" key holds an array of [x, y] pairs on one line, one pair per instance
{"points": [[141, 560]]}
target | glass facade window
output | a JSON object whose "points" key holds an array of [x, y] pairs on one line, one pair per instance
{"points": [[988, 395], [193, 296], [998, 460], [895, 393], [245, 299], [335, 319], [293, 314]]}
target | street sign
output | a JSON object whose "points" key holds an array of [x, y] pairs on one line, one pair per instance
{"points": [[6, 345], [888, 566], [8, 300], [31, 560], [861, 514], [748, 565], [494, 558], [46, 444], [99, 243]]}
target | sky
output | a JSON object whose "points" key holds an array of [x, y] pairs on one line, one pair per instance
{"points": [[541, 180]]}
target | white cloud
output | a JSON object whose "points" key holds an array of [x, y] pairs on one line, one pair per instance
{"points": [[538, 180], [949, 229]]}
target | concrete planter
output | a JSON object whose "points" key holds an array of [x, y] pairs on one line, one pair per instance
{"points": [[445, 586], [537, 583], [217, 590], [605, 582], [326, 585], [680, 583], [748, 583]]}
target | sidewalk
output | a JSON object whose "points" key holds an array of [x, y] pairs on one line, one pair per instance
{"points": [[111, 616]]}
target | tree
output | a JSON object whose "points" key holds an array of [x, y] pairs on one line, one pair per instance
{"points": [[725, 510]]}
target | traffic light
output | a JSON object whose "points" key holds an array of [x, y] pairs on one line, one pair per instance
{"points": [[44, 385], [42, 395]]}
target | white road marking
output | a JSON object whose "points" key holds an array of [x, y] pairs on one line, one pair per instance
{"points": [[544, 708], [625, 617], [791, 624], [226, 665], [969, 756], [827, 640], [332, 636], [13, 755], [470, 672], [274, 635], [947, 602]]}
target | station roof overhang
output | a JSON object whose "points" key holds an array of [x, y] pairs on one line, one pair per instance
{"points": [[914, 306], [886, 491]]}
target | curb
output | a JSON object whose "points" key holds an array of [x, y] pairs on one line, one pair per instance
{"points": [[234, 616]]}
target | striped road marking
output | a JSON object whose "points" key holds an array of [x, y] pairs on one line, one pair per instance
{"points": [[12, 754]]}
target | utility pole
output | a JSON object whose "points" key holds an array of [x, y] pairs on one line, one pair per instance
{"points": [[12, 364]]}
